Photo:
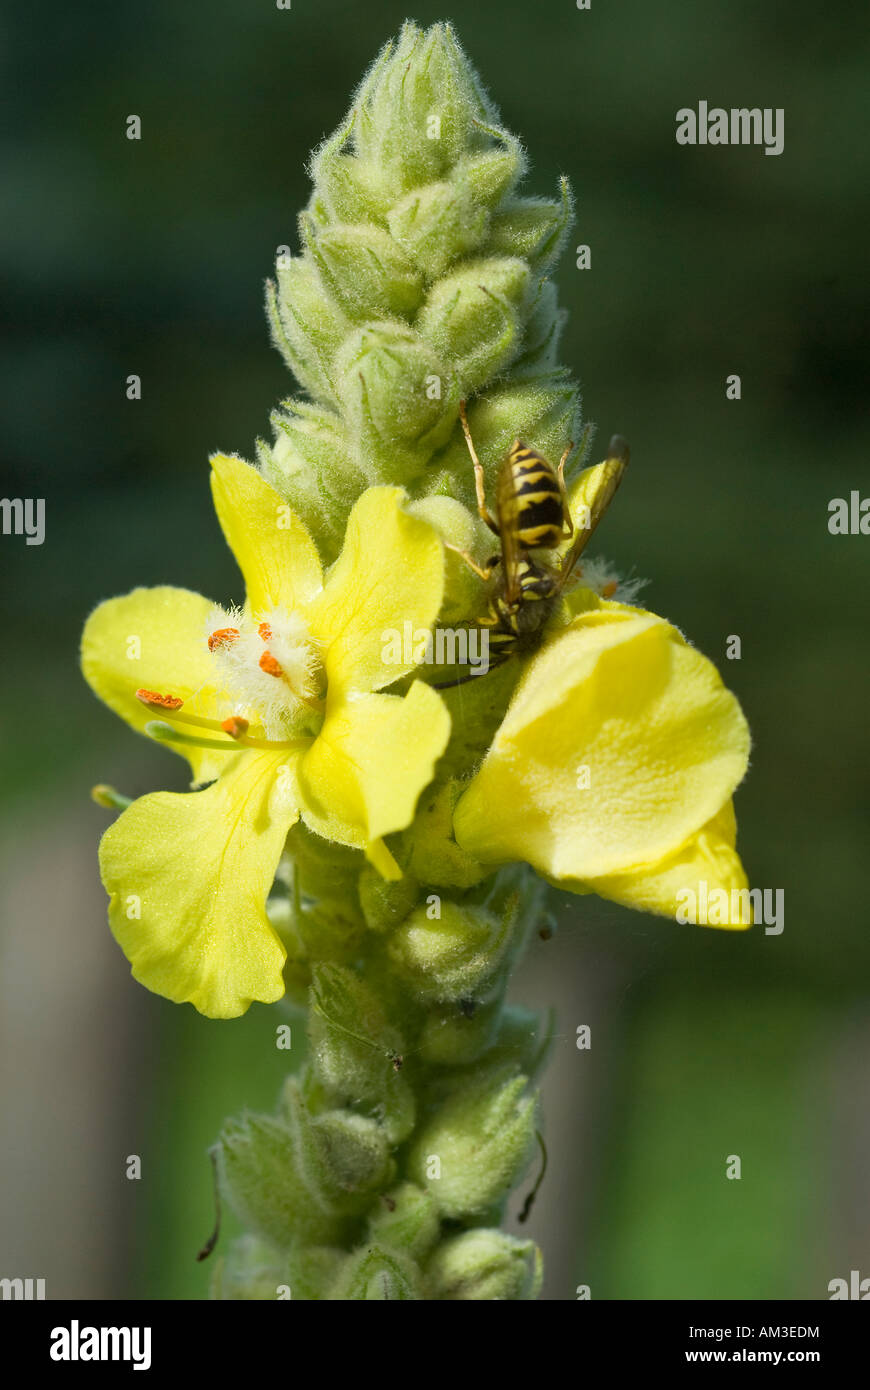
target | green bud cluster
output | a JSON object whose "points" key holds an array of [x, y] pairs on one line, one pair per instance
{"points": [[422, 279], [386, 1169]]}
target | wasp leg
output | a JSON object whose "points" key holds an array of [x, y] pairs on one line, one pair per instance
{"points": [[479, 480], [567, 519], [614, 466], [465, 680], [566, 510], [482, 573]]}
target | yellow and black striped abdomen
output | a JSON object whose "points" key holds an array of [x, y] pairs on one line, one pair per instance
{"points": [[534, 506]]}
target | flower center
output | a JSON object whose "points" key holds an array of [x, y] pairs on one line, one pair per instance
{"points": [[267, 671]]}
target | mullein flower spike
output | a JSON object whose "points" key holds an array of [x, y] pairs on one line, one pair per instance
{"points": [[367, 836]]}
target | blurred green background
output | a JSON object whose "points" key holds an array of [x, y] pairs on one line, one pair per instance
{"points": [[149, 257]]}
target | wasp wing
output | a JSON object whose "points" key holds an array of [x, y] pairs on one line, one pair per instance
{"points": [[507, 516]]}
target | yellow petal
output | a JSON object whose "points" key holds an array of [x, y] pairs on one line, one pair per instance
{"points": [[362, 776], [188, 876], [275, 552], [390, 573], [153, 639], [704, 870], [623, 703]]}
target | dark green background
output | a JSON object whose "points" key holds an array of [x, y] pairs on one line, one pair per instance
{"points": [[150, 257]]}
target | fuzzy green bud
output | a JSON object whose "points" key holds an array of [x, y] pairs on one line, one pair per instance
{"points": [[472, 317], [314, 465], [366, 270], [485, 1265], [456, 955], [297, 1177], [435, 855], [355, 1158], [475, 1147], [437, 223], [494, 173], [377, 1274], [251, 1270], [308, 325], [406, 1219], [533, 228], [423, 108], [400, 398], [385, 904], [267, 1171], [456, 1034], [357, 1054]]}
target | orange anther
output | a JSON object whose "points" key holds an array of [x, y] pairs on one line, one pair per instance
{"points": [[610, 588], [223, 637], [151, 697], [235, 726], [270, 665], [265, 632]]}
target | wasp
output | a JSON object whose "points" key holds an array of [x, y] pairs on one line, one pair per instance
{"points": [[531, 513]]}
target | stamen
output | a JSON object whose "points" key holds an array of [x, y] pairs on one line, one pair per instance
{"points": [[165, 733], [170, 711], [610, 588], [265, 632], [223, 637], [250, 742], [107, 796], [268, 664], [151, 697]]}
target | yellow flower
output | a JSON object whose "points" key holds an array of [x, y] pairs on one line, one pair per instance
{"points": [[614, 767], [280, 707]]}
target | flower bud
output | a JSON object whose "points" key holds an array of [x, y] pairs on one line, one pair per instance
{"points": [[265, 1178], [313, 465], [456, 955], [476, 1146], [377, 1274], [346, 189], [308, 326], [354, 1159], [472, 318], [423, 109], [436, 858], [251, 1270], [485, 1265], [492, 174], [531, 228], [405, 1219], [310, 1270], [437, 224], [543, 331], [357, 1054], [400, 398], [456, 1034], [384, 903], [366, 271]]}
